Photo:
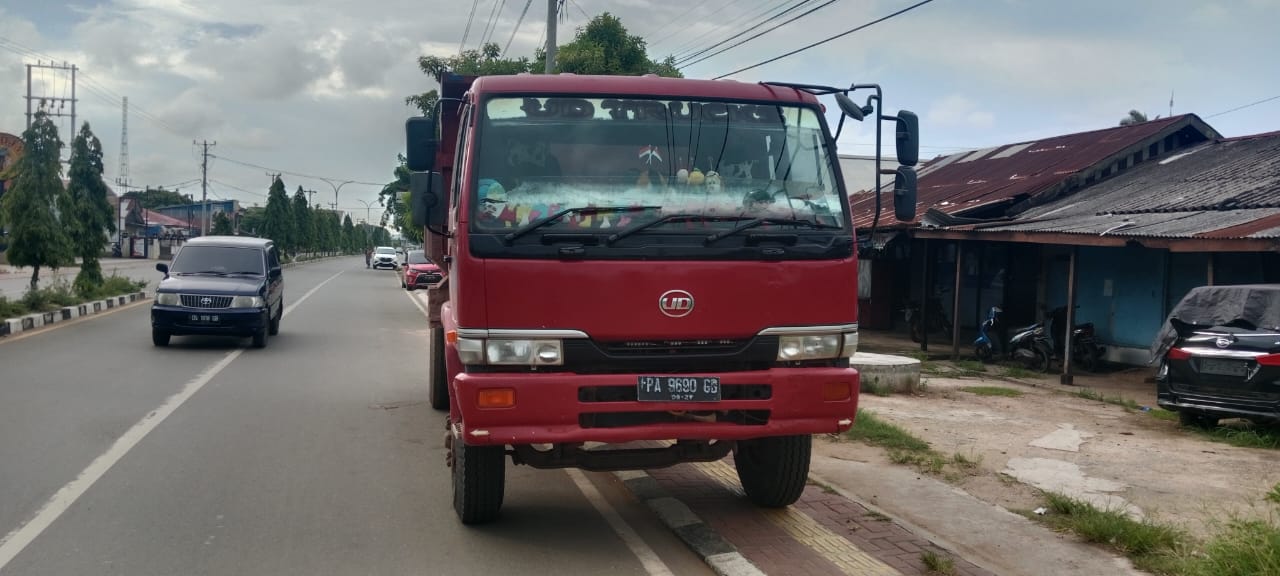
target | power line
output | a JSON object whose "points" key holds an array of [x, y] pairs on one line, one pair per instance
{"points": [[689, 60], [1249, 105], [234, 187], [467, 31], [762, 10], [484, 37], [298, 174], [519, 22], [821, 42]]}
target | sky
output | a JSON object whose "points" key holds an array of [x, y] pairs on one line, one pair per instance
{"points": [[316, 87]]}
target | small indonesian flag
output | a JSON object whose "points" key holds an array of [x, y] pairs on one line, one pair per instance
{"points": [[649, 154]]}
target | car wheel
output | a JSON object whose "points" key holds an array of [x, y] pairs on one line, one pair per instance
{"points": [[275, 324], [437, 373], [260, 337], [159, 337], [1196, 419], [479, 480], [773, 470]]}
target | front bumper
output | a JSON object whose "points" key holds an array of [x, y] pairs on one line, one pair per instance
{"points": [[561, 407], [384, 263], [425, 278], [179, 321]]}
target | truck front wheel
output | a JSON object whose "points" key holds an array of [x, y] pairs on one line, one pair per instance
{"points": [[479, 479], [437, 374], [774, 470]]}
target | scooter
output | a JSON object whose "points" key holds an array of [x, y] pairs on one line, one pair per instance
{"points": [[1085, 350], [984, 346], [1031, 346]]}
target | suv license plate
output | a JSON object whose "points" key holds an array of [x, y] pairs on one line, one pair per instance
{"points": [[1237, 368], [678, 389], [205, 318]]}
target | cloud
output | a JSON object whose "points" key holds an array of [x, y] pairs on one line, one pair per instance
{"points": [[960, 111]]}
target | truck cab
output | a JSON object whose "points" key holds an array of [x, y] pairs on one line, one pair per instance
{"points": [[641, 271]]}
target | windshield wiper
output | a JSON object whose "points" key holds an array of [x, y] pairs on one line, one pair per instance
{"points": [[530, 227], [754, 222], [670, 218], [201, 273]]}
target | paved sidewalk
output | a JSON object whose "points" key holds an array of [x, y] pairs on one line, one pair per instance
{"points": [[822, 534]]}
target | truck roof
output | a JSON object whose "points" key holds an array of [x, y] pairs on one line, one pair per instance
{"points": [[648, 85]]}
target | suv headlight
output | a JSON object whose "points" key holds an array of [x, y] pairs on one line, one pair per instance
{"points": [[510, 352], [247, 302], [166, 299]]}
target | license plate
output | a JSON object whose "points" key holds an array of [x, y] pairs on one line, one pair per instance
{"points": [[204, 318], [1217, 367], [678, 389]]}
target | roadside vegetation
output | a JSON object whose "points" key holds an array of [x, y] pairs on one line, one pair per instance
{"points": [[905, 448], [63, 294], [937, 564], [1242, 546]]}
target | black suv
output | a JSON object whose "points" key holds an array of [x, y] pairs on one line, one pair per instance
{"points": [[220, 285], [1219, 355]]}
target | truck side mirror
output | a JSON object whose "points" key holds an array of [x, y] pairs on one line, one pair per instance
{"points": [[420, 143], [908, 138], [904, 194], [849, 108], [425, 189], [162, 268]]}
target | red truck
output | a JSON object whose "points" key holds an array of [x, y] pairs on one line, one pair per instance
{"points": [[640, 271]]}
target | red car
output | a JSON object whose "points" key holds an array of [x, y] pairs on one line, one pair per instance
{"points": [[419, 271]]}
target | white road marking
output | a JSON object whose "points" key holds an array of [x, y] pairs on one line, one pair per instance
{"points": [[648, 558], [18, 540]]}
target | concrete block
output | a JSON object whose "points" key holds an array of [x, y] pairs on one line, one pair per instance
{"points": [[13, 325], [32, 321], [897, 373], [50, 317], [97, 306], [70, 312]]}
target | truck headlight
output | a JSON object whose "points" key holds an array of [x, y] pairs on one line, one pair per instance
{"points": [[850, 345], [510, 352], [166, 299], [246, 302], [810, 347]]}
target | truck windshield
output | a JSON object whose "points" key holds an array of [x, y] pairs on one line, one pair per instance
{"points": [[729, 161]]}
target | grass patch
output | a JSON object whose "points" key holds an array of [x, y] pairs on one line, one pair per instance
{"points": [[1243, 548], [971, 366], [993, 391], [904, 448], [1162, 414], [1150, 545], [825, 487], [1091, 394], [1016, 372], [937, 564], [1274, 495], [1249, 437]]}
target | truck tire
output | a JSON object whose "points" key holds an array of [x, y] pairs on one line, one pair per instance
{"points": [[159, 337], [479, 479], [774, 470], [438, 375]]}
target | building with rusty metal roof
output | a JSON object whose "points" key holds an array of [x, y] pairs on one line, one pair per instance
{"points": [[1122, 238]]}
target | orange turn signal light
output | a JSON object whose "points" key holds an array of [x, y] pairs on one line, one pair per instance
{"points": [[451, 336], [491, 398], [836, 391]]}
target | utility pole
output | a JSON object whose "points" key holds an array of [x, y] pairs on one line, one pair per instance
{"points": [[47, 102], [204, 185], [551, 35]]}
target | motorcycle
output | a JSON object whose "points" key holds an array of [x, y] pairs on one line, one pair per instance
{"points": [[1085, 350], [1030, 345], [937, 320], [984, 346]]}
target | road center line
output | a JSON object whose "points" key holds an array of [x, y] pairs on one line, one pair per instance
{"points": [[648, 558], [18, 540]]}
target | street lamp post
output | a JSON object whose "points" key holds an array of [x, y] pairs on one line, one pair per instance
{"points": [[336, 188], [368, 217]]}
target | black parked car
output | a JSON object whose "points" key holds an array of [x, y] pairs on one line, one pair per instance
{"points": [[1219, 355], [220, 285]]}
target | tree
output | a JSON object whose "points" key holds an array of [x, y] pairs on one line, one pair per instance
{"points": [[395, 198], [303, 235], [278, 224], [36, 237], [222, 225], [350, 241], [253, 220], [1134, 117], [603, 46], [487, 61], [85, 212], [153, 198]]}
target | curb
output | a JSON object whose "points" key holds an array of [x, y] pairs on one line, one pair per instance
{"points": [[722, 556], [12, 326]]}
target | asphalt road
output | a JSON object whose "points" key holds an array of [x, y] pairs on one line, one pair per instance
{"points": [[316, 455], [15, 283]]}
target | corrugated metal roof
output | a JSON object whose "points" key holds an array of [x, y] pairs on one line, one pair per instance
{"points": [[967, 180], [1224, 189]]}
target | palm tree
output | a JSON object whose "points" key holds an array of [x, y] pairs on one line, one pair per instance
{"points": [[1134, 117]]}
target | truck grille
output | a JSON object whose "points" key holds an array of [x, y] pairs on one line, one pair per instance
{"points": [[673, 347], [649, 418], [590, 394], [198, 301]]}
